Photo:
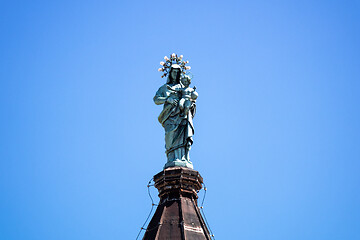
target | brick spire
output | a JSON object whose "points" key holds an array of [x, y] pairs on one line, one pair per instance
{"points": [[177, 216]]}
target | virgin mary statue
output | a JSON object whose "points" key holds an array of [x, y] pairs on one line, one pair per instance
{"points": [[178, 126]]}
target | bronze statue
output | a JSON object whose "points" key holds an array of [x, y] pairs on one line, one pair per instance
{"points": [[178, 111]]}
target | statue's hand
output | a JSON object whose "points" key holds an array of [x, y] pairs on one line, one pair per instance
{"points": [[194, 95], [172, 101]]}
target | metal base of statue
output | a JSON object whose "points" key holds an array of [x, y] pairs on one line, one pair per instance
{"points": [[177, 216], [179, 163]]}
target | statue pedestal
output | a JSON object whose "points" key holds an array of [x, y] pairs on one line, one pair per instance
{"points": [[179, 163], [177, 216]]}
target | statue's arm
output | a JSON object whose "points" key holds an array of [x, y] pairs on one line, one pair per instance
{"points": [[160, 97], [159, 100]]}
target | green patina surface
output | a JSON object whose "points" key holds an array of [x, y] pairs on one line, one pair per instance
{"points": [[177, 116]]}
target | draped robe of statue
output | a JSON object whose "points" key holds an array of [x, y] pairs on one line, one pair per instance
{"points": [[178, 127]]}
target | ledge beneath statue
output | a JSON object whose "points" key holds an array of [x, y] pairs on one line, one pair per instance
{"points": [[178, 181]]}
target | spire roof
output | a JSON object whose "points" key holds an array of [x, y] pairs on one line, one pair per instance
{"points": [[177, 216]]}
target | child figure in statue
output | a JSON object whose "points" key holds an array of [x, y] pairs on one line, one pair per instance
{"points": [[188, 95]]}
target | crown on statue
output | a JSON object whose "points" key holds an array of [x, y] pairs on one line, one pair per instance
{"points": [[174, 59]]}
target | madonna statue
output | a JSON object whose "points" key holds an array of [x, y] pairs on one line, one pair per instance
{"points": [[178, 112]]}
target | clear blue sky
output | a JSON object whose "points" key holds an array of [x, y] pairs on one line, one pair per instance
{"points": [[277, 136]]}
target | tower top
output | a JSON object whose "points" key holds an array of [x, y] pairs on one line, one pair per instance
{"points": [[177, 216]]}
